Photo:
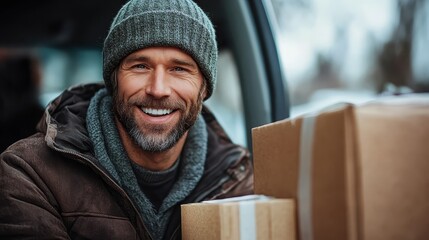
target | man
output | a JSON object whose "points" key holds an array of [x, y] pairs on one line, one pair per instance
{"points": [[117, 162]]}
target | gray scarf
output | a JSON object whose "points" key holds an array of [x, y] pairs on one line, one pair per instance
{"points": [[112, 156]]}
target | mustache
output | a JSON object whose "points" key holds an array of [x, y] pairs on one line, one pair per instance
{"points": [[150, 102]]}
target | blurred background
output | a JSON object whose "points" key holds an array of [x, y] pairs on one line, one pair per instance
{"points": [[352, 50]]}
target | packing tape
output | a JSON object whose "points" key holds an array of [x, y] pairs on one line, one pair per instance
{"points": [[305, 178], [247, 220]]}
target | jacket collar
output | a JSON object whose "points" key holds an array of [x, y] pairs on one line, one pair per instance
{"points": [[63, 122]]}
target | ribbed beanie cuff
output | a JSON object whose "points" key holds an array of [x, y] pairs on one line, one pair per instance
{"points": [[170, 23]]}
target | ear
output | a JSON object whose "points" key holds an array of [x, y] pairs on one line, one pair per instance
{"points": [[203, 91]]}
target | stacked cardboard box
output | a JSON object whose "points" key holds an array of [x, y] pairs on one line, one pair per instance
{"points": [[244, 218], [357, 172]]}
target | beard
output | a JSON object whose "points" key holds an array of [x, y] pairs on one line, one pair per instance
{"points": [[151, 137]]}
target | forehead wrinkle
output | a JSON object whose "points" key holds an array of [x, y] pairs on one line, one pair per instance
{"points": [[172, 57], [137, 58]]}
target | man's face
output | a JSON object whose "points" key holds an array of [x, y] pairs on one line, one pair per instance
{"points": [[159, 96]]}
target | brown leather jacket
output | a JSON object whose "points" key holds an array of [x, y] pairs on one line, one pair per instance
{"points": [[52, 187]]}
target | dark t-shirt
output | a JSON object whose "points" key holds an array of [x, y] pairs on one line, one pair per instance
{"points": [[156, 185]]}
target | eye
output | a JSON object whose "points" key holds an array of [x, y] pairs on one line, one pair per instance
{"points": [[140, 66], [178, 69]]}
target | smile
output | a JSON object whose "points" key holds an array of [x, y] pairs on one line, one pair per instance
{"points": [[156, 112]]}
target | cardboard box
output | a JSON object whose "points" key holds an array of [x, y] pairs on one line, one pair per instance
{"points": [[240, 219], [357, 172]]}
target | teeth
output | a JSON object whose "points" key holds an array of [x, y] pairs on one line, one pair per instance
{"points": [[157, 112]]}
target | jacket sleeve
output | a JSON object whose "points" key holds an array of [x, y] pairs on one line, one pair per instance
{"points": [[27, 208]]}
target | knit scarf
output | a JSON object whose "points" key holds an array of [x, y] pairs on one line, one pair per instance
{"points": [[111, 155]]}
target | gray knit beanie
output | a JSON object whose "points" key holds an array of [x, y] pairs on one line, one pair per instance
{"points": [[174, 23]]}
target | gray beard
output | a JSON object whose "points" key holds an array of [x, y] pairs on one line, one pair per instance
{"points": [[157, 140]]}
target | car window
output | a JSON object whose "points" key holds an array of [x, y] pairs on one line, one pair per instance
{"points": [[226, 101], [62, 68], [351, 50]]}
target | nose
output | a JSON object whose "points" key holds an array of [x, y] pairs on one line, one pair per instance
{"points": [[158, 86]]}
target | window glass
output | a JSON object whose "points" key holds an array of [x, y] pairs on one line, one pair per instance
{"points": [[226, 101], [62, 68], [351, 50]]}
